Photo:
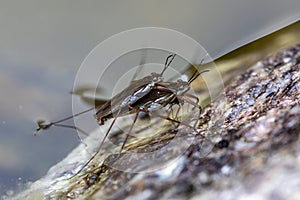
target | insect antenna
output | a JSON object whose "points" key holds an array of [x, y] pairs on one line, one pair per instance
{"points": [[169, 60], [196, 75]]}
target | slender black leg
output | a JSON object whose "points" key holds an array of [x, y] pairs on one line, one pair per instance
{"points": [[101, 144], [128, 134]]}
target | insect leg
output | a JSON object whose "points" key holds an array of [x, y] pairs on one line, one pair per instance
{"points": [[177, 112], [171, 113], [166, 118], [130, 129], [43, 126], [73, 127], [101, 144], [187, 98], [136, 117]]}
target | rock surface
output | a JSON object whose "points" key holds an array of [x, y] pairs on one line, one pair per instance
{"points": [[254, 127]]}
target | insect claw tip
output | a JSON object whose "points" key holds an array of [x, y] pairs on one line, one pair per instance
{"points": [[36, 132]]}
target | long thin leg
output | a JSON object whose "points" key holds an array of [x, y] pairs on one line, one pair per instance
{"points": [[134, 121], [148, 112], [171, 113], [177, 112], [70, 117], [166, 118], [76, 128], [186, 99], [72, 127], [128, 134], [131, 127], [42, 126], [101, 144]]}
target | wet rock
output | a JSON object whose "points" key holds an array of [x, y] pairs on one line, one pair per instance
{"points": [[256, 151]]}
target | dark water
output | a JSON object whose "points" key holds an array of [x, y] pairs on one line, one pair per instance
{"points": [[29, 93]]}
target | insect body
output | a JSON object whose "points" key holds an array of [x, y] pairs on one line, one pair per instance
{"points": [[145, 95], [162, 95], [120, 103]]}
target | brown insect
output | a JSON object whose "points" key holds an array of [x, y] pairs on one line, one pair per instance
{"points": [[144, 95], [119, 103]]}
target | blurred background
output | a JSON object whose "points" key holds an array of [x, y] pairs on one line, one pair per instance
{"points": [[42, 45]]}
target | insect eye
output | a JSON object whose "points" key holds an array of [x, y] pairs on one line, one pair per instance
{"points": [[181, 87], [156, 77]]}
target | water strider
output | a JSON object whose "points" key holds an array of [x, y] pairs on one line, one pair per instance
{"points": [[137, 89], [146, 95]]}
